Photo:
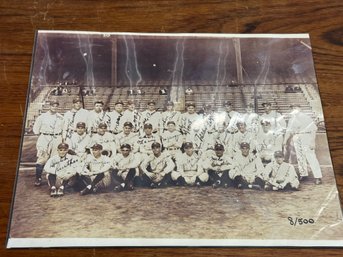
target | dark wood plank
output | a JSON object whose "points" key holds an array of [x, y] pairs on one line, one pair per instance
{"points": [[19, 19]]}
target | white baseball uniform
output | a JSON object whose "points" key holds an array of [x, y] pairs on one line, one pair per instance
{"points": [[160, 165], [246, 137], [186, 122], [189, 167], [252, 122], [276, 120], [170, 116], [116, 121], [96, 118], [79, 144], [49, 127], [133, 117], [279, 175], [123, 164], [268, 143], [303, 129], [249, 167], [71, 118], [106, 140], [216, 163], [231, 119], [144, 142], [172, 141], [154, 118], [130, 139], [63, 167]]}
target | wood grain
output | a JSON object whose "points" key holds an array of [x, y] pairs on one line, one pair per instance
{"points": [[19, 20]]}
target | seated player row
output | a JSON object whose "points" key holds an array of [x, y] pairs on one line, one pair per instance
{"points": [[99, 172]]}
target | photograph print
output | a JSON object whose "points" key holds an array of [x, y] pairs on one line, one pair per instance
{"points": [[174, 140]]}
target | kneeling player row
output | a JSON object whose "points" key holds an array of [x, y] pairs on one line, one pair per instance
{"points": [[125, 171]]}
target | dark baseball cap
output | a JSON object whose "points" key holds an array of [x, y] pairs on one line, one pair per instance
{"points": [[170, 122], [278, 154], [54, 102], [80, 125], [265, 122], [240, 122], [102, 125], [244, 145], [98, 102], [128, 146], [227, 103], [97, 147], [155, 145], [219, 147], [266, 104], [128, 124], [188, 145], [190, 104], [63, 146], [147, 125], [119, 102], [151, 102], [76, 100]]}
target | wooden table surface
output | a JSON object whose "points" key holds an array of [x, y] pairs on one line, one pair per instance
{"points": [[323, 20]]}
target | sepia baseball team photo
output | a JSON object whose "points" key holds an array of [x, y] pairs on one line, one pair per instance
{"points": [[121, 149], [154, 137]]}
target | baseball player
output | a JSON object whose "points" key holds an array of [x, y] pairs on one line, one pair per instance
{"points": [[96, 171], [97, 116], [187, 119], [80, 141], [209, 118], [277, 121], [116, 118], [189, 168], [105, 139], [60, 169], [198, 136], [157, 168], [132, 115], [125, 169], [218, 166], [170, 115], [268, 142], [231, 117], [222, 136], [151, 116], [280, 175], [127, 137], [71, 118], [242, 135], [172, 139], [303, 132], [248, 169], [251, 119], [49, 127], [144, 142]]}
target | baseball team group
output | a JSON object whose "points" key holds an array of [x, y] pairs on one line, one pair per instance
{"points": [[101, 150]]}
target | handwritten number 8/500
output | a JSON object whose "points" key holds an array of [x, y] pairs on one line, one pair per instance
{"points": [[299, 221]]}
